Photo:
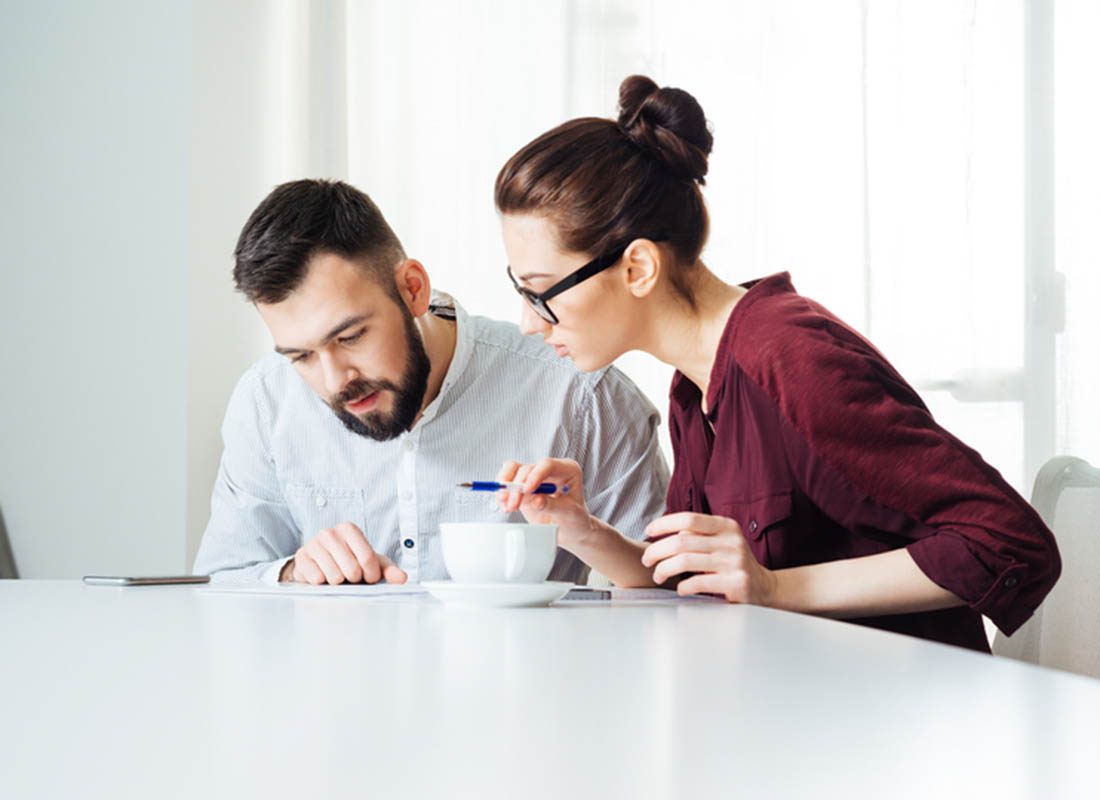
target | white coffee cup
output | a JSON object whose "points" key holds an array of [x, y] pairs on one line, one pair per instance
{"points": [[498, 552]]}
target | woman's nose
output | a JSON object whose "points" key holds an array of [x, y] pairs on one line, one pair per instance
{"points": [[530, 322]]}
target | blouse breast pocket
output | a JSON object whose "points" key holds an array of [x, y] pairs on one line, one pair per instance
{"points": [[315, 508], [764, 521]]}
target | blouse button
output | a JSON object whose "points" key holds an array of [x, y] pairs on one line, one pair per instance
{"points": [[1010, 581], [753, 526]]}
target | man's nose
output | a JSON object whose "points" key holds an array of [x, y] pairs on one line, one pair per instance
{"points": [[530, 322], [336, 371]]}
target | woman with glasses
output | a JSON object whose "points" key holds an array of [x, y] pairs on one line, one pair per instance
{"points": [[808, 475]]}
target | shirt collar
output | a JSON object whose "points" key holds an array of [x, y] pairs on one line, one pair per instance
{"points": [[444, 305], [683, 392]]}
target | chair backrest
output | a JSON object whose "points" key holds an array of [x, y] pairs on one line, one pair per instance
{"points": [[7, 560], [1065, 631]]}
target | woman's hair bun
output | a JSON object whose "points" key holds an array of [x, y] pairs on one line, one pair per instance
{"points": [[667, 123]]}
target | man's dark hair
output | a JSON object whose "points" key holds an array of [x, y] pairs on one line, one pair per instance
{"points": [[302, 219]]}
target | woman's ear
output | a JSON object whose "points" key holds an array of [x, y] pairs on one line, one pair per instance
{"points": [[414, 286], [643, 260]]}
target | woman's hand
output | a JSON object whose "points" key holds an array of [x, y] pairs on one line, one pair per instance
{"points": [[714, 548], [566, 508]]}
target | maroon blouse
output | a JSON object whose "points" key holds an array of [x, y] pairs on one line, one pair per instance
{"points": [[821, 451]]}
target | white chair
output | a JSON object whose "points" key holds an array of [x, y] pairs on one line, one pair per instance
{"points": [[1064, 633], [7, 561]]}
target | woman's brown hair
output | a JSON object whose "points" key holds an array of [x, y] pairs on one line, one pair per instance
{"points": [[605, 183]]}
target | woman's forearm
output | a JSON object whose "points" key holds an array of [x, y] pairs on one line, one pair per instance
{"points": [[610, 553], [886, 583]]}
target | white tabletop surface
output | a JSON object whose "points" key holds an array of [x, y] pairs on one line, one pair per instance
{"points": [[167, 692]]}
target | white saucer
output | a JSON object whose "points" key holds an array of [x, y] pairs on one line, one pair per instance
{"points": [[497, 595]]}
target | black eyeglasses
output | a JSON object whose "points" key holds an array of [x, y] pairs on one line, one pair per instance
{"points": [[597, 265]]}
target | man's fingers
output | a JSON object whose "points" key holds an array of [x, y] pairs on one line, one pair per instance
{"points": [[372, 570], [334, 543], [356, 542], [333, 573], [392, 572], [306, 570]]}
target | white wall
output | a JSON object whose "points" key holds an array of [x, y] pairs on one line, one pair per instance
{"points": [[242, 145], [95, 109], [122, 191]]}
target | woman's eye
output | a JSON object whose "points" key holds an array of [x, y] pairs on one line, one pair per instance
{"points": [[300, 358]]}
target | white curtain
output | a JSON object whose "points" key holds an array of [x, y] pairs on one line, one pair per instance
{"points": [[887, 153]]}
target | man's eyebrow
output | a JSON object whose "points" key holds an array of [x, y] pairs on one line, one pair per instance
{"points": [[336, 331]]}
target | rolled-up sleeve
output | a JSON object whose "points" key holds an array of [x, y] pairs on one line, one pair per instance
{"points": [[870, 454], [251, 533]]}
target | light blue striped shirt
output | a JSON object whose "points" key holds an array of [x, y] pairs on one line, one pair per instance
{"points": [[290, 468]]}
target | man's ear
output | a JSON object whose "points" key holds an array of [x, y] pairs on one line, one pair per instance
{"points": [[414, 286], [643, 261]]}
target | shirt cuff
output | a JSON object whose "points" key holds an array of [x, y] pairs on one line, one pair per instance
{"points": [[270, 575], [998, 588]]}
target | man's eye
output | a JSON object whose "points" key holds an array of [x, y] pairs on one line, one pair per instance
{"points": [[353, 338]]}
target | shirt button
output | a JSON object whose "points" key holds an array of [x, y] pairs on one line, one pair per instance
{"points": [[320, 501], [410, 445], [407, 495], [410, 544], [1010, 581]]}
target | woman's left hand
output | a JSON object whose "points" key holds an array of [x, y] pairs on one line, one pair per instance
{"points": [[714, 548]]}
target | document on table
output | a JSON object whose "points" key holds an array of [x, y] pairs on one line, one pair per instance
{"points": [[410, 591], [346, 589]]}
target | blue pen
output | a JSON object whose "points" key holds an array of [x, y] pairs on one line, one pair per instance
{"points": [[493, 486]]}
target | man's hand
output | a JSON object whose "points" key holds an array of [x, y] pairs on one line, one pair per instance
{"points": [[338, 555]]}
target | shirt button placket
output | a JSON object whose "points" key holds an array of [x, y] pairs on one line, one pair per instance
{"points": [[407, 512]]}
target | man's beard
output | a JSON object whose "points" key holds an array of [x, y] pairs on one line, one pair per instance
{"points": [[408, 396]]}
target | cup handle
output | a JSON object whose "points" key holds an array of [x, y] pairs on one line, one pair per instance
{"points": [[516, 554]]}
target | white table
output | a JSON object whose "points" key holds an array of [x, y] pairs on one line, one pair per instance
{"points": [[174, 692]]}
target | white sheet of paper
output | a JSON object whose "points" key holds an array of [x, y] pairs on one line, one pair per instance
{"points": [[347, 589]]}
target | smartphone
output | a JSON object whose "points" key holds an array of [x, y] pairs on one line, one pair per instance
{"points": [[105, 580], [587, 593]]}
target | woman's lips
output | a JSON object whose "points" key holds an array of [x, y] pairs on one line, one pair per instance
{"points": [[363, 404]]}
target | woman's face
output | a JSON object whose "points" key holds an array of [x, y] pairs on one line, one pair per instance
{"points": [[593, 317]]}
